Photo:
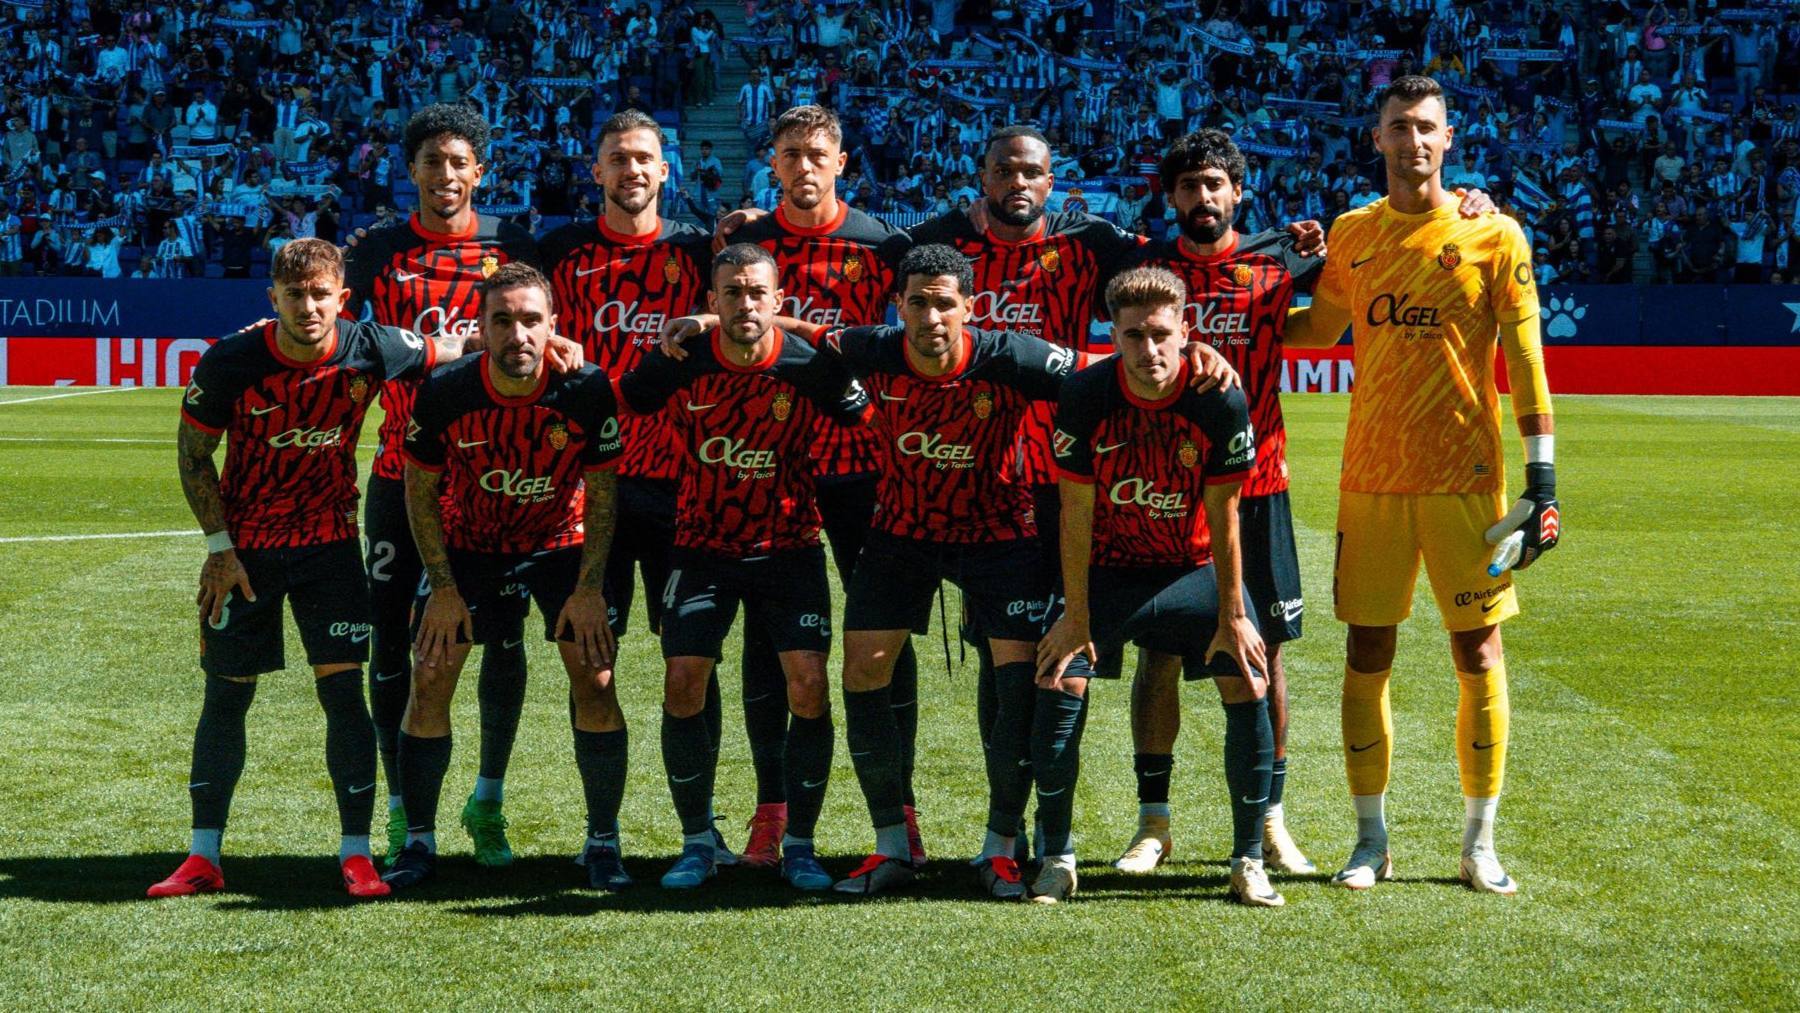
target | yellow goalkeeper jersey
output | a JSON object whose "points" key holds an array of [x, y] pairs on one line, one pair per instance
{"points": [[1426, 294]]}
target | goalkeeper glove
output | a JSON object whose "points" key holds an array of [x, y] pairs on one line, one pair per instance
{"points": [[1532, 527]]}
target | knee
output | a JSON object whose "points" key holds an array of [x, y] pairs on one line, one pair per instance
{"points": [[431, 688], [684, 689], [808, 696], [865, 672], [1476, 651], [1370, 648]]}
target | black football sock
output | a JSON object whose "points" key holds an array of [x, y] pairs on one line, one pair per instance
{"points": [[423, 763], [1009, 748], [1056, 727], [1249, 755], [809, 742], [349, 749], [874, 740], [218, 750], [600, 756], [390, 684], [904, 698], [501, 694], [1153, 771], [690, 764], [1277, 781], [765, 713]]}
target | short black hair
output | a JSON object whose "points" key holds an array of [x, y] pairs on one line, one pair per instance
{"points": [[1410, 88], [627, 120], [1007, 133], [1202, 149], [453, 119], [516, 274], [742, 255], [935, 260]]}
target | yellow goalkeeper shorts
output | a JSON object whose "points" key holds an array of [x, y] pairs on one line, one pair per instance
{"points": [[1382, 536]]}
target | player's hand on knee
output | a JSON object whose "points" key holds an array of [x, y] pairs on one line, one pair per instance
{"points": [[1210, 369], [1238, 640], [446, 617], [221, 574], [564, 355], [1067, 638], [1309, 237], [1475, 203], [583, 620], [677, 330]]}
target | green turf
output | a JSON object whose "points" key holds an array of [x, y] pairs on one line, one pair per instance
{"points": [[1650, 813]]}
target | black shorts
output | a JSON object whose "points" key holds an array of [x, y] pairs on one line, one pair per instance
{"points": [[499, 588], [392, 558], [1171, 610], [1271, 566], [846, 508], [643, 540], [785, 593], [1004, 586], [330, 598]]}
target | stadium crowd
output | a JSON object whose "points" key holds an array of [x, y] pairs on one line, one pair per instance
{"points": [[167, 138]]}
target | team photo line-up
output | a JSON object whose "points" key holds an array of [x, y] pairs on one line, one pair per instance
{"points": [[630, 398]]}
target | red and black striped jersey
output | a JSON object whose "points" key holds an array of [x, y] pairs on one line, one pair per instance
{"points": [[1049, 286], [748, 431], [949, 439], [1150, 462], [1238, 300], [840, 274], [430, 283], [513, 466], [290, 427], [613, 294]]}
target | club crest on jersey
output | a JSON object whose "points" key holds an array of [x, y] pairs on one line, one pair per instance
{"points": [[1050, 260], [1187, 453], [781, 407], [853, 268], [489, 264], [558, 435], [1242, 275], [983, 404], [359, 389], [671, 271], [1449, 257]]}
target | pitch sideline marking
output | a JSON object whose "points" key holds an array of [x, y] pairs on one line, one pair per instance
{"points": [[15, 539], [77, 393]]}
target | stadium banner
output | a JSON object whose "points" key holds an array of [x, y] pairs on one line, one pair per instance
{"points": [[1524, 55], [1241, 47], [199, 150]]}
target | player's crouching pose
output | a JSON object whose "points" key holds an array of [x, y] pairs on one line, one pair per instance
{"points": [[280, 522], [747, 531], [1136, 449], [525, 456]]}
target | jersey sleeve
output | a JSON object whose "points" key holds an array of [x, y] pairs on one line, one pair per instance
{"points": [[1512, 292], [1332, 282], [210, 402], [424, 444], [1230, 440], [404, 355], [1078, 411], [1033, 366], [606, 446], [829, 383], [647, 388], [855, 347], [1115, 250], [1279, 245], [362, 263]]}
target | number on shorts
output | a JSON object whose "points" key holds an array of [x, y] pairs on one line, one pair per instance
{"points": [[224, 613], [669, 589], [381, 556]]}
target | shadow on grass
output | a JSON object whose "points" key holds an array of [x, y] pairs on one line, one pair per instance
{"points": [[548, 885]]}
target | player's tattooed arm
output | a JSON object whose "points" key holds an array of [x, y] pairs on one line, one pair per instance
{"points": [[1070, 635], [446, 615], [222, 573], [1237, 636], [584, 615]]}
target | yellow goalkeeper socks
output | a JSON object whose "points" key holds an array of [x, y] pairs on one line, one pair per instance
{"points": [[1482, 716], [1368, 731]]}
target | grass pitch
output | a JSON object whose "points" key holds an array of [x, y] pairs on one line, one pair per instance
{"points": [[1650, 812]]}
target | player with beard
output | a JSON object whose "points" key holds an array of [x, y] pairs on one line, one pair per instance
{"points": [[425, 273], [280, 523], [617, 280], [837, 269]]}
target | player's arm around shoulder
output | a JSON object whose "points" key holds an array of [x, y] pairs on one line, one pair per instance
{"points": [[658, 375]]}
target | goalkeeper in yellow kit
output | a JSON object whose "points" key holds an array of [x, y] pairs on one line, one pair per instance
{"points": [[1428, 293]]}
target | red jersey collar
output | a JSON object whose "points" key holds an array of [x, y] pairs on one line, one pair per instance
{"points": [[1037, 233], [837, 222], [422, 232], [627, 238], [1181, 384], [966, 346], [1207, 258], [522, 400], [718, 337], [270, 338]]}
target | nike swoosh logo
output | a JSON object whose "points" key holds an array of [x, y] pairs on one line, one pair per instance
{"points": [[885, 396], [814, 784], [1488, 746], [260, 412], [1357, 749], [388, 676], [466, 444], [1050, 794], [1354, 264], [1249, 801], [359, 791], [683, 780], [582, 272], [864, 753], [1489, 607], [405, 276], [1157, 773], [691, 406], [1108, 450], [512, 643], [357, 638], [200, 784]]}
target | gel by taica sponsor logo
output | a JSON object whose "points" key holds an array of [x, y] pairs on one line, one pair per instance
{"points": [[1141, 492], [623, 316], [308, 438], [731, 453], [441, 321], [993, 308], [1209, 320], [809, 311], [1399, 311], [931, 446], [516, 484]]}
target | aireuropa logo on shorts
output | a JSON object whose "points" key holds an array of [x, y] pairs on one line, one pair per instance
{"points": [[357, 632]]}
